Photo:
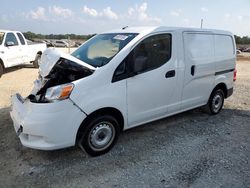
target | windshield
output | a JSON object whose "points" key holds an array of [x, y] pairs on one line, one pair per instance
{"points": [[99, 50], [1, 37]]}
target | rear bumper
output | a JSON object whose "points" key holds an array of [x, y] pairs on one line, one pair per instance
{"points": [[46, 126], [230, 92]]}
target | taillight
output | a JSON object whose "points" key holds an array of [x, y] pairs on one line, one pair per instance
{"points": [[235, 73]]}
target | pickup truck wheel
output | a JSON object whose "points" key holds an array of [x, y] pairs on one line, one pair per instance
{"points": [[99, 135], [1, 70], [215, 102], [37, 61]]}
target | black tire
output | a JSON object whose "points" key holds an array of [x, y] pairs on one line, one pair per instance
{"points": [[103, 127], [1, 70], [37, 61], [215, 102]]}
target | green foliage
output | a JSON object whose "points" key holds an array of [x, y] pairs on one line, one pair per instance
{"points": [[242, 40], [29, 35]]}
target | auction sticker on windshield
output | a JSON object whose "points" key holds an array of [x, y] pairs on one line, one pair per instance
{"points": [[120, 37]]}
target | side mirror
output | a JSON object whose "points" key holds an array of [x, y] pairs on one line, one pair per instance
{"points": [[10, 43], [140, 64]]}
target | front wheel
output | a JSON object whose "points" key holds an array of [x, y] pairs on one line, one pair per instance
{"points": [[216, 101], [99, 135], [37, 61]]}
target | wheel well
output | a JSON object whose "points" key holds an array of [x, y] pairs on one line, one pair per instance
{"points": [[1, 62], [103, 111], [223, 87]]}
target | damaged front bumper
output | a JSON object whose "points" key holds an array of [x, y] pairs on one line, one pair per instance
{"points": [[46, 126]]}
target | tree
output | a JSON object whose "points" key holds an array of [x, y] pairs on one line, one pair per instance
{"points": [[242, 40], [31, 36]]}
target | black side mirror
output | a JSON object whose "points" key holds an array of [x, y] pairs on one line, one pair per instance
{"points": [[10, 43], [140, 64]]}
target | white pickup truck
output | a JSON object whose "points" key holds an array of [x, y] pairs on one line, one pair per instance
{"points": [[14, 50]]}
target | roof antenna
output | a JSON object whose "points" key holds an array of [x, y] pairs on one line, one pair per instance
{"points": [[125, 27], [201, 23]]}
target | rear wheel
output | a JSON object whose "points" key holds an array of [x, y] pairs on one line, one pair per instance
{"points": [[1, 70], [216, 101], [99, 135], [37, 61]]}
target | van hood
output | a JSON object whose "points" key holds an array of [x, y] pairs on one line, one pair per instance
{"points": [[57, 68], [51, 56]]}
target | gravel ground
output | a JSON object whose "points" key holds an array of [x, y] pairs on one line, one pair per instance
{"points": [[191, 149]]}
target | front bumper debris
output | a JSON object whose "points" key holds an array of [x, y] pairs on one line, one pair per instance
{"points": [[45, 126]]}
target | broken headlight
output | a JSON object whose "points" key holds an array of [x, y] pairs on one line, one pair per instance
{"points": [[59, 92]]}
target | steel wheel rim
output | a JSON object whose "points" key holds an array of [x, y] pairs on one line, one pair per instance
{"points": [[101, 136], [217, 102]]}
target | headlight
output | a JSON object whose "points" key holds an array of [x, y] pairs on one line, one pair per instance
{"points": [[59, 92]]}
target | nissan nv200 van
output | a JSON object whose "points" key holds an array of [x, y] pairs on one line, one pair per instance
{"points": [[121, 79]]}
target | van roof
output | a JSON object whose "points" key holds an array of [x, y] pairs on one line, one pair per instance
{"points": [[153, 29]]}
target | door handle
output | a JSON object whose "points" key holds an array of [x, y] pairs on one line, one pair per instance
{"points": [[192, 70], [170, 74]]}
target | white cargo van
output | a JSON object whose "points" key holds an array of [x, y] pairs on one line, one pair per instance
{"points": [[121, 79]]}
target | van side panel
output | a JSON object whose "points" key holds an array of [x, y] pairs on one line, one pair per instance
{"points": [[199, 68], [152, 94]]}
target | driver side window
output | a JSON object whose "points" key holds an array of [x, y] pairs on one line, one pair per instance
{"points": [[11, 38], [154, 51], [149, 54]]}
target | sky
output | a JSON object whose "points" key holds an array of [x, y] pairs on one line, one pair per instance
{"points": [[95, 16]]}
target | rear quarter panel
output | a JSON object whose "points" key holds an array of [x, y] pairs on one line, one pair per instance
{"points": [[225, 58]]}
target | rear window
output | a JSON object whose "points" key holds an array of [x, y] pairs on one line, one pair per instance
{"points": [[21, 38], [1, 37], [224, 45]]}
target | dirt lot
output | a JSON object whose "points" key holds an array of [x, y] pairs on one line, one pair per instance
{"points": [[190, 149]]}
